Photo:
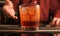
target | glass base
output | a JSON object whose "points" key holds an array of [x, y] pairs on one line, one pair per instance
{"points": [[29, 28]]}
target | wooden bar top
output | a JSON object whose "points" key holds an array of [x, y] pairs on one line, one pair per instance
{"points": [[17, 28]]}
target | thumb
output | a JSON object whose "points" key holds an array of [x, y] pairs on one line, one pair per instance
{"points": [[51, 24], [14, 17]]}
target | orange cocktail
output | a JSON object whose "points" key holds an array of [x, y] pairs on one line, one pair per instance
{"points": [[30, 17]]}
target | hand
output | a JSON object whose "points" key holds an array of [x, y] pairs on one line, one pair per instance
{"points": [[55, 22], [9, 12], [8, 9]]}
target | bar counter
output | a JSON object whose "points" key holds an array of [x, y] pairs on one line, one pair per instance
{"points": [[17, 29]]}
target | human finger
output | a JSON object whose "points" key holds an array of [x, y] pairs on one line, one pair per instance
{"points": [[58, 22], [54, 20]]}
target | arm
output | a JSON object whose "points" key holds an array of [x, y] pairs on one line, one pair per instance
{"points": [[8, 9], [56, 19]]}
